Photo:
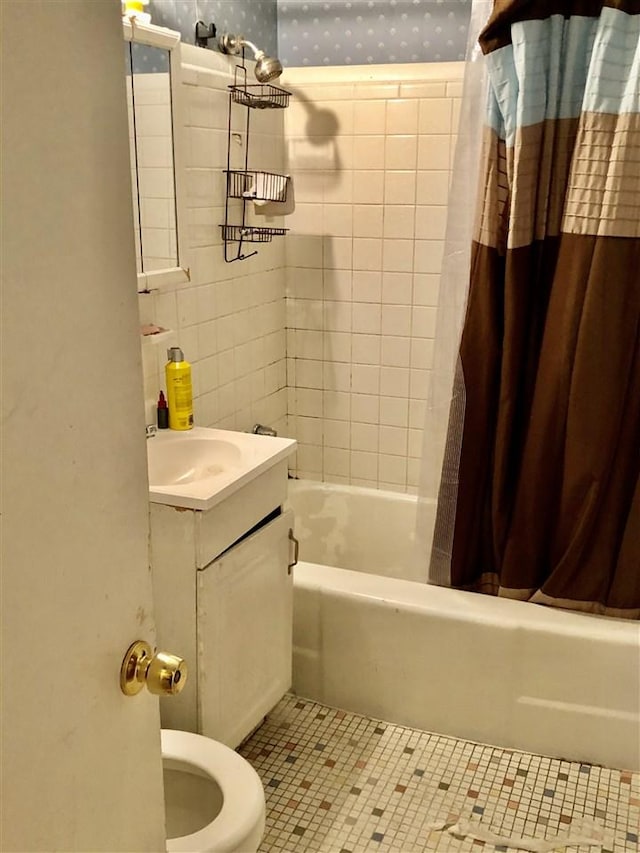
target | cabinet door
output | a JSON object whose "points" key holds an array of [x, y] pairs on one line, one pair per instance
{"points": [[245, 609]]}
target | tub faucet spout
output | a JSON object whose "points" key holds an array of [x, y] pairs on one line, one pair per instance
{"points": [[260, 429]]}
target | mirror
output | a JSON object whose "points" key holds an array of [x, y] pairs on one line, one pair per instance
{"points": [[152, 68]]}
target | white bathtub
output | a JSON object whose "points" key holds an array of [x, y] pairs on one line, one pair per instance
{"points": [[491, 670]]}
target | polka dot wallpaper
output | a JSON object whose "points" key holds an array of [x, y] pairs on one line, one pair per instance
{"points": [[361, 32], [331, 32], [144, 59], [255, 19]]}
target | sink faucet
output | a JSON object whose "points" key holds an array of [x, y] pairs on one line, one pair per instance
{"points": [[259, 429]]}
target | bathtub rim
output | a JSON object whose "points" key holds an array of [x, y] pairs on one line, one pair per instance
{"points": [[470, 606]]}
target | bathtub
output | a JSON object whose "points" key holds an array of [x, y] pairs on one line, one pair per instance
{"points": [[517, 675]]}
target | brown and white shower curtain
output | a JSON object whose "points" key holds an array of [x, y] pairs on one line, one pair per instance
{"points": [[548, 491]]}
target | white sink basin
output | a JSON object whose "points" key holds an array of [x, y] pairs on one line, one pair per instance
{"points": [[200, 467], [178, 462]]}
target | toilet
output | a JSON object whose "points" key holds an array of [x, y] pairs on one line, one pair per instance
{"points": [[214, 799]]}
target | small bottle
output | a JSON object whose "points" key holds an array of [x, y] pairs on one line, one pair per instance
{"points": [[163, 412], [179, 393]]}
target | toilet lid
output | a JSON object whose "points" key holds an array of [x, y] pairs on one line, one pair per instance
{"points": [[243, 795]]}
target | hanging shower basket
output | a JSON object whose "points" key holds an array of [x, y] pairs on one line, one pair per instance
{"points": [[256, 186], [250, 233], [246, 184], [261, 96]]}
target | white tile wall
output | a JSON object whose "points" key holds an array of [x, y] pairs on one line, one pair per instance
{"points": [[155, 217], [343, 362], [230, 319], [370, 162]]}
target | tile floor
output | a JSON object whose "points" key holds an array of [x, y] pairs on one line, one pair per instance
{"points": [[342, 783]]}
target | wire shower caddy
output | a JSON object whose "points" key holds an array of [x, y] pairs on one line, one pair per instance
{"points": [[249, 185]]}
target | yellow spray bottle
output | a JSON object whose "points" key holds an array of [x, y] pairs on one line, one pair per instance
{"points": [[179, 392]]}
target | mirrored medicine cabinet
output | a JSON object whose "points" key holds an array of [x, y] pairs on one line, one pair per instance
{"points": [[152, 68]]}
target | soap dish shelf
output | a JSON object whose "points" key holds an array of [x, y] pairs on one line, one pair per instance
{"points": [[166, 336]]}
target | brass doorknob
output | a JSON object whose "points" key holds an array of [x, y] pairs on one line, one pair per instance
{"points": [[163, 674]]}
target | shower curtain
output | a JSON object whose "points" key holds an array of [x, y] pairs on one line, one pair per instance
{"points": [[539, 497]]}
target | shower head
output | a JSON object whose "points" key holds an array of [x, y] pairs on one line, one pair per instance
{"points": [[267, 67]]}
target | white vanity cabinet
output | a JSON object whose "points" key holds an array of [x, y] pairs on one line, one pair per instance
{"points": [[245, 613], [223, 590]]}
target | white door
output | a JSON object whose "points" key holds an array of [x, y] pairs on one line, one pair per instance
{"points": [[80, 762]]}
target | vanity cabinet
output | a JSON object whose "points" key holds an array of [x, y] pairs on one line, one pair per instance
{"points": [[245, 613], [223, 591]]}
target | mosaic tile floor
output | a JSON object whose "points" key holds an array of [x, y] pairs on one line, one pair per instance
{"points": [[337, 782]]}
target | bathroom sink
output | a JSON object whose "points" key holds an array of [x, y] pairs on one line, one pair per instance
{"points": [[178, 462], [198, 468]]}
